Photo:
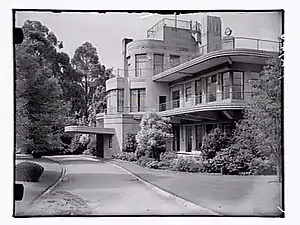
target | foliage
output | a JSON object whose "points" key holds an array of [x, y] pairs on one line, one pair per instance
{"points": [[92, 77], [152, 136], [27, 171], [91, 146], [259, 132], [41, 111], [127, 156], [213, 142], [130, 143], [169, 155], [144, 160], [186, 164]]}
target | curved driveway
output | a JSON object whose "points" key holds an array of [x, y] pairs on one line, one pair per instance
{"points": [[109, 190]]}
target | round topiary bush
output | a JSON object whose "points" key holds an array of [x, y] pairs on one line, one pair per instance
{"points": [[27, 171]]}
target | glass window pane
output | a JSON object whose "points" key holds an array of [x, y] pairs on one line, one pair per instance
{"points": [[158, 63], [174, 60], [140, 64]]}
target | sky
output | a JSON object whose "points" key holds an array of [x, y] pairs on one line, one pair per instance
{"points": [[106, 31]]}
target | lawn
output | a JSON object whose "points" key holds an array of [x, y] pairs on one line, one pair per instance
{"points": [[228, 195]]}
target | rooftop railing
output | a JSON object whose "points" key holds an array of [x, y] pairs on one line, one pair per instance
{"points": [[181, 24], [226, 44]]}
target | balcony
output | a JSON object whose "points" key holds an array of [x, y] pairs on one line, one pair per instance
{"points": [[205, 102], [233, 49]]}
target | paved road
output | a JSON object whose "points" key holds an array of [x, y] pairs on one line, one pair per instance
{"points": [[109, 190]]}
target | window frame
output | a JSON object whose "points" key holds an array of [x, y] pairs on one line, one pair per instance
{"points": [[138, 62]]}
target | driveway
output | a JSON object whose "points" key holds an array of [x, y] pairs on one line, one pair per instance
{"points": [[109, 190]]}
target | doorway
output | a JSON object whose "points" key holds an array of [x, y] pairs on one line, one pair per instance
{"points": [[162, 103], [100, 146], [189, 133]]}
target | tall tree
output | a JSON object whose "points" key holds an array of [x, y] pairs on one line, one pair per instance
{"points": [[93, 76], [260, 130], [40, 110]]}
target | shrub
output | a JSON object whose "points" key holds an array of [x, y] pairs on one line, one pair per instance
{"points": [[144, 160], [37, 154], [130, 143], [154, 132], [186, 164], [127, 156], [213, 142], [27, 171], [170, 155]]}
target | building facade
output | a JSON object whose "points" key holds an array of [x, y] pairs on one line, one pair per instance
{"points": [[191, 72]]}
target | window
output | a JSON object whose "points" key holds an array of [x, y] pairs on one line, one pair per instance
{"points": [[120, 100], [211, 89], [174, 60], [226, 85], [175, 99], [198, 88], [209, 127], [198, 137], [158, 65], [238, 85], [162, 103], [137, 100], [140, 64], [115, 101], [109, 141], [188, 91]]}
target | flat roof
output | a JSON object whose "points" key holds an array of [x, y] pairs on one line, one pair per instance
{"points": [[89, 130]]}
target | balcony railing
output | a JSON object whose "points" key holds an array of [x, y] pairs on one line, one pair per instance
{"points": [[226, 44], [126, 110], [208, 98]]}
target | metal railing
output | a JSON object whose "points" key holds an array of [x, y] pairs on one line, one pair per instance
{"points": [[126, 110], [167, 22], [203, 99], [234, 43], [221, 98]]}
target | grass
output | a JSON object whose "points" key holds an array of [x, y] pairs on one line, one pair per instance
{"points": [[228, 195]]}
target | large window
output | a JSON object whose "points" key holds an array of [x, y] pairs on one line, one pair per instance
{"points": [[140, 64], [188, 91], [137, 100], [174, 60], [199, 136], [158, 65], [176, 99], [237, 85], [198, 88], [115, 101], [226, 85], [211, 88]]}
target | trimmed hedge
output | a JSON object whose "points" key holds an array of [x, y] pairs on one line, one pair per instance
{"points": [[28, 171]]}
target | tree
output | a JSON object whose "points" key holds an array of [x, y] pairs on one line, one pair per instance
{"points": [[153, 135], [130, 143], [259, 132], [40, 110], [92, 79]]}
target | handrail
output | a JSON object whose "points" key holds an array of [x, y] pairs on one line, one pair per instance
{"points": [[233, 44], [204, 99]]}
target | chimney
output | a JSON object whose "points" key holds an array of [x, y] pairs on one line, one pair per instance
{"points": [[211, 37]]}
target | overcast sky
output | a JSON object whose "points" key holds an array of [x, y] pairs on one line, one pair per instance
{"points": [[106, 31]]}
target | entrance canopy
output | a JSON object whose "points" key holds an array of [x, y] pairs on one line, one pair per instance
{"points": [[89, 130]]}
